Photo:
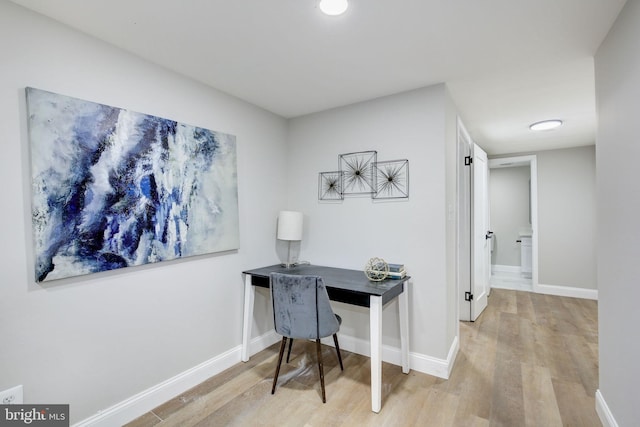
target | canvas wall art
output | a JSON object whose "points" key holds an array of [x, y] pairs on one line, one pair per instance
{"points": [[113, 188]]}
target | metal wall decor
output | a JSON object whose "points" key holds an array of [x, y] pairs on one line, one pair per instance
{"points": [[362, 173], [330, 186], [359, 172], [392, 179]]}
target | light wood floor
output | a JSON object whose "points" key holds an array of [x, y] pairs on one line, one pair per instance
{"points": [[529, 360]]}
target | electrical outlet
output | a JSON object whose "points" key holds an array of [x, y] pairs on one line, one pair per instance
{"points": [[11, 396]]}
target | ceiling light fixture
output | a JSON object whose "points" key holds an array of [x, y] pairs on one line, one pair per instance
{"points": [[546, 125], [333, 7]]}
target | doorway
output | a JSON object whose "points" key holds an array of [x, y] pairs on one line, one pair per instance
{"points": [[515, 245]]}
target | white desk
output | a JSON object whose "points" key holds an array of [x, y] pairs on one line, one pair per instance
{"points": [[351, 287]]}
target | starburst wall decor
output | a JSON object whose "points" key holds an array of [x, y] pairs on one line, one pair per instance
{"points": [[330, 186], [358, 171], [361, 173], [392, 179]]}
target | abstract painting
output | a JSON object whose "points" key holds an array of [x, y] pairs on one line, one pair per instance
{"points": [[113, 188]]}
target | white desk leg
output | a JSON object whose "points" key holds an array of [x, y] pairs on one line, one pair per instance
{"points": [[375, 325], [403, 311], [249, 295]]}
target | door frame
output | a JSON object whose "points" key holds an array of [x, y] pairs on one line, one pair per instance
{"points": [[532, 162], [463, 221]]}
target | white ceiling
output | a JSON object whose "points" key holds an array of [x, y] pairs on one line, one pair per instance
{"points": [[508, 63]]}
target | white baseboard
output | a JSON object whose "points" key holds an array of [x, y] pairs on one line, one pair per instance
{"points": [[429, 365], [507, 283], [260, 343], [606, 417], [453, 354], [511, 286], [513, 269], [440, 368], [135, 406], [567, 291]]}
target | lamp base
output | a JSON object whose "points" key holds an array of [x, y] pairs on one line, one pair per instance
{"points": [[288, 265]]}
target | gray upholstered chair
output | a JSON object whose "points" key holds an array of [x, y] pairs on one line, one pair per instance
{"points": [[301, 310]]}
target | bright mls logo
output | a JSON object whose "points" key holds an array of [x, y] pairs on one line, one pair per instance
{"points": [[34, 415]]}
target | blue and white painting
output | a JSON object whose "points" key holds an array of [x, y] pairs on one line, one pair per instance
{"points": [[114, 188]]}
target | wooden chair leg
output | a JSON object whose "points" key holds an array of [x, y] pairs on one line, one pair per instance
{"points": [[321, 369], [275, 377], [335, 341], [289, 352]]}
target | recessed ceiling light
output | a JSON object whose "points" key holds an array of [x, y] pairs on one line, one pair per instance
{"points": [[333, 7], [546, 125]]}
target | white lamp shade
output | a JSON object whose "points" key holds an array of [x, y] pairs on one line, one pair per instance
{"points": [[289, 225]]}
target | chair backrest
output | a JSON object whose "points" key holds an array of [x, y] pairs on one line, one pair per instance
{"points": [[301, 307]]}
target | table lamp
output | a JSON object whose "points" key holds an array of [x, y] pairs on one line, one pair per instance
{"points": [[290, 229]]}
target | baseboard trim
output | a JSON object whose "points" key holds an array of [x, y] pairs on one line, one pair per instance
{"points": [[566, 291], [141, 403], [606, 417], [497, 268], [429, 365], [511, 286], [453, 355], [260, 343]]}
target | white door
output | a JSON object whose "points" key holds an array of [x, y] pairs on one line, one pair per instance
{"points": [[481, 243]]}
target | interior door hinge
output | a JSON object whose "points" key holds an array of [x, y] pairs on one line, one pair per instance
{"points": [[468, 160], [468, 296]]}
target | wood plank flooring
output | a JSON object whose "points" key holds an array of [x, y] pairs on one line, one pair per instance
{"points": [[529, 360]]}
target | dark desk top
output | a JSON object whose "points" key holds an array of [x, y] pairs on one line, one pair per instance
{"points": [[349, 286]]}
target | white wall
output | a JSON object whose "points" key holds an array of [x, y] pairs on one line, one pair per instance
{"points": [[509, 197], [618, 103], [411, 125], [94, 341], [567, 217]]}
